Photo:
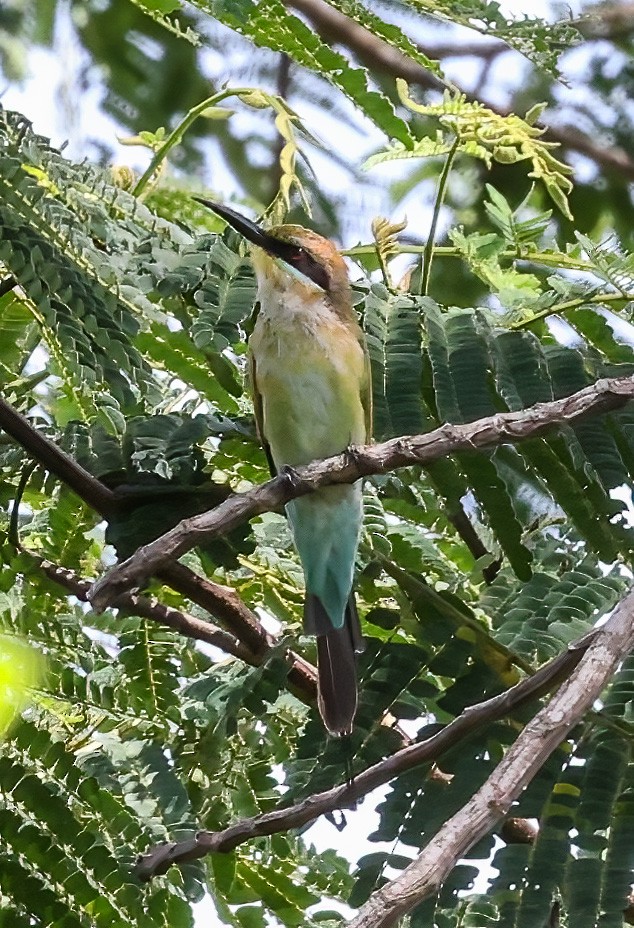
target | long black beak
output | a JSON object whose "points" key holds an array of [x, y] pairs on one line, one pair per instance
{"points": [[294, 255], [251, 230]]}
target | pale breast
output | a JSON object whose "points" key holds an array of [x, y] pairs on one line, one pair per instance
{"points": [[310, 370]]}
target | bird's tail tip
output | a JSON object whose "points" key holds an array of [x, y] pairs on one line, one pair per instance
{"points": [[336, 664]]}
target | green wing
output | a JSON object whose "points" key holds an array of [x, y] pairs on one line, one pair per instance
{"points": [[366, 391], [259, 414]]}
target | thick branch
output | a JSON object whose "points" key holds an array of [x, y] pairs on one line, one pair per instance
{"points": [[106, 502], [345, 468], [160, 858], [424, 876]]}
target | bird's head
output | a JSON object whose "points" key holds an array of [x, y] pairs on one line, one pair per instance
{"points": [[290, 251]]}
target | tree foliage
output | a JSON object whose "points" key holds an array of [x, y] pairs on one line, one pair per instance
{"points": [[125, 312]]}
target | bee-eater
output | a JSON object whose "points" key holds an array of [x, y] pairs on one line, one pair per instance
{"points": [[310, 376]]}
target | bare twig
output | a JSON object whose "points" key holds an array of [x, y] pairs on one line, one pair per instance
{"points": [[463, 525], [345, 468], [424, 876], [160, 858]]}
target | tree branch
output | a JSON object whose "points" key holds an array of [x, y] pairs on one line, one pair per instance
{"points": [[148, 608], [302, 677], [348, 467], [45, 452], [163, 856], [224, 604], [335, 26], [424, 876], [466, 530], [610, 158]]}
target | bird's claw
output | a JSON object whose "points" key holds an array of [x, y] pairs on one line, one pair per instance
{"points": [[354, 455], [290, 474]]}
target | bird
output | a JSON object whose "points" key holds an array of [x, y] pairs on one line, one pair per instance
{"points": [[310, 379]]}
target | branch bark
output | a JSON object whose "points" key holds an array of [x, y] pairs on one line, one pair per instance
{"points": [[160, 858], [424, 876], [348, 467], [302, 677], [93, 492]]}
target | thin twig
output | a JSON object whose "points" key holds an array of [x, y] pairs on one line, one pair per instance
{"points": [[586, 300]]}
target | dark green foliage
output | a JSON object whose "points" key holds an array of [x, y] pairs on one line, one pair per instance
{"points": [[158, 473]]}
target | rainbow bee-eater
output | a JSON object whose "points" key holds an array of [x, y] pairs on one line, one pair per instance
{"points": [[310, 376]]}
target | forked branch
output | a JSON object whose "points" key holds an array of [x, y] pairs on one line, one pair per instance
{"points": [[246, 638]]}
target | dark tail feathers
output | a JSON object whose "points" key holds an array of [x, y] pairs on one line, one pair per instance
{"points": [[336, 663]]}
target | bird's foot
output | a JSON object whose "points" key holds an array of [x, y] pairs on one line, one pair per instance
{"points": [[289, 473], [355, 456]]}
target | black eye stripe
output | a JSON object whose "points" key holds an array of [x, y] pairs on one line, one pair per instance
{"points": [[298, 257], [314, 271]]}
